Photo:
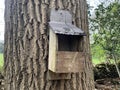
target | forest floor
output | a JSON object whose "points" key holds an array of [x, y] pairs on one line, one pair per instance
{"points": [[101, 84], [107, 84], [1, 82]]}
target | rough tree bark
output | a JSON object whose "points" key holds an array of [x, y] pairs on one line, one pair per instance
{"points": [[26, 45]]}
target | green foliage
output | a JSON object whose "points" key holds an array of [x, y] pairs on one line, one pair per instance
{"points": [[106, 29], [1, 62], [98, 54], [1, 56]]}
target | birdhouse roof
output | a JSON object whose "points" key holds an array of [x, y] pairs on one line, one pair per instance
{"points": [[62, 28], [61, 23]]}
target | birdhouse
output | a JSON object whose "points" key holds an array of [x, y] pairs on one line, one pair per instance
{"points": [[65, 39]]}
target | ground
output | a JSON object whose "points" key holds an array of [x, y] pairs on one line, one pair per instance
{"points": [[108, 84], [1, 82]]}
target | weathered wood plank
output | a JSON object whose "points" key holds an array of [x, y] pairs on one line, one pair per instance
{"points": [[60, 76], [52, 51], [66, 63], [69, 62]]}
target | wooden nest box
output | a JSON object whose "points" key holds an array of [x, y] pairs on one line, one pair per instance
{"points": [[65, 52]]}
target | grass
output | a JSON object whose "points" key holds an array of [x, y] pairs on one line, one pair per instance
{"points": [[1, 62], [96, 61]]}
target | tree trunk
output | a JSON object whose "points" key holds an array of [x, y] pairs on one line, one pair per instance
{"points": [[116, 64], [26, 45]]}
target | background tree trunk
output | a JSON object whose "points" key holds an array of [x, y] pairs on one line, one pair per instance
{"points": [[26, 45]]}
